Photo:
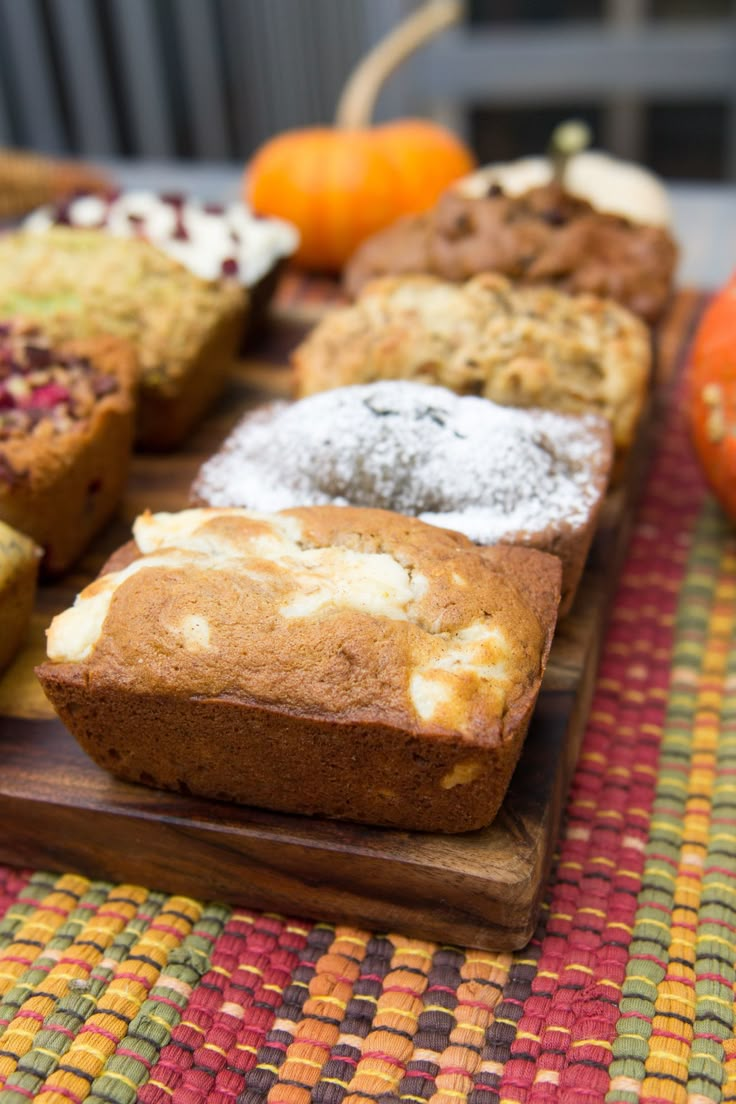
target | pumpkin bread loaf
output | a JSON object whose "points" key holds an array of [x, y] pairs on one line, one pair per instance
{"points": [[334, 661], [497, 474], [542, 236], [185, 330], [519, 346], [67, 414], [19, 558]]}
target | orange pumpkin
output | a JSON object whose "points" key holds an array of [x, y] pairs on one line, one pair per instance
{"points": [[713, 395], [339, 186]]}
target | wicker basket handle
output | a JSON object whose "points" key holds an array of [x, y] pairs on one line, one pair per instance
{"points": [[359, 96]]}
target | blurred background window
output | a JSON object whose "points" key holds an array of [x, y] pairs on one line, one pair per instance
{"points": [[689, 137], [656, 79]]}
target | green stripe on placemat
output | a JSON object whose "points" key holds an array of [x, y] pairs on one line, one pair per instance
{"points": [[655, 1050], [112, 993]]}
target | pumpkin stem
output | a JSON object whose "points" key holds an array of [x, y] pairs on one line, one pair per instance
{"points": [[358, 99], [567, 140]]}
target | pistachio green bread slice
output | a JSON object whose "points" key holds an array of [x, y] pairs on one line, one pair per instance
{"points": [[81, 283]]}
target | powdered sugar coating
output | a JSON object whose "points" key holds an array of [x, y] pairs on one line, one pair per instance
{"points": [[491, 472]]}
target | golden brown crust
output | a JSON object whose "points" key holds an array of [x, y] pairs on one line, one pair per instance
{"points": [[19, 559], [278, 697], [517, 346], [165, 419], [371, 773], [570, 544], [314, 674], [542, 236], [66, 486]]}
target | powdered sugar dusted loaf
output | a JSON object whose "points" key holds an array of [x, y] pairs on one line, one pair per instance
{"points": [[497, 474]]}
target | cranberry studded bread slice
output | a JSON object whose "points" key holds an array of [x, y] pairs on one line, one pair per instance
{"points": [[67, 414], [185, 330], [334, 661], [497, 474], [519, 346], [19, 558]]}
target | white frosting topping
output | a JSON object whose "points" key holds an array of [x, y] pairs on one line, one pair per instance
{"points": [[489, 471], [209, 239]]}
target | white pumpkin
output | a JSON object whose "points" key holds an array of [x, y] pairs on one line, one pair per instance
{"points": [[617, 187]]}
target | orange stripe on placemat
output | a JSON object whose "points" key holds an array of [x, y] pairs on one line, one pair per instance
{"points": [[259, 1008], [557, 1037], [330, 992], [390, 1044], [270, 1057]]}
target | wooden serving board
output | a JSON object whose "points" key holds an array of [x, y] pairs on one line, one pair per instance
{"points": [[59, 811]]}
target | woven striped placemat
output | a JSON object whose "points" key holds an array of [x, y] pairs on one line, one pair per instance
{"points": [[112, 993]]}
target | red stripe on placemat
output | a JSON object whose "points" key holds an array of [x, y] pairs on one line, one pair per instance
{"points": [[560, 1049], [11, 883], [552, 1028], [229, 1013]]}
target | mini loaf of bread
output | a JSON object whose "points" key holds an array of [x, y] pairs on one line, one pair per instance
{"points": [[497, 474], [19, 558], [85, 283], [211, 240], [67, 414], [518, 346], [543, 236], [350, 663]]}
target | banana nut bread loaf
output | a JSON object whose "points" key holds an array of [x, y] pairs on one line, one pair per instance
{"points": [[519, 346], [83, 283], [543, 236], [497, 474], [350, 663], [67, 414], [19, 558]]}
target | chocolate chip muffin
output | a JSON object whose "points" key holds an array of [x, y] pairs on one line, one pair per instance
{"points": [[542, 236]]}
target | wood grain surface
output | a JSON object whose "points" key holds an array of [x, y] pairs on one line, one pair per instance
{"points": [[59, 811]]}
